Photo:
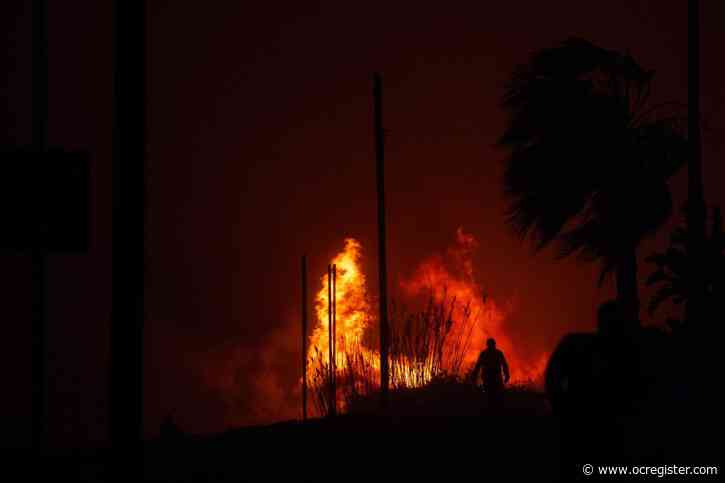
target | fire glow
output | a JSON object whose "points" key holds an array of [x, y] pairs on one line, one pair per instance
{"points": [[353, 310], [446, 281]]}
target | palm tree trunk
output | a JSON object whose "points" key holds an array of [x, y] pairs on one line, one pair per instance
{"points": [[627, 288]]}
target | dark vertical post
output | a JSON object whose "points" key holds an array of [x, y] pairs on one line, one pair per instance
{"points": [[334, 339], [304, 338], [331, 409], [696, 213], [38, 255], [128, 220], [40, 347], [329, 330], [382, 259], [40, 75]]}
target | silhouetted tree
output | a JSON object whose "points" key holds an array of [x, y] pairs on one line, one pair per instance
{"points": [[589, 157], [675, 267]]}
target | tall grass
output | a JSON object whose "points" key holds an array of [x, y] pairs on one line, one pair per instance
{"points": [[425, 346], [429, 344]]}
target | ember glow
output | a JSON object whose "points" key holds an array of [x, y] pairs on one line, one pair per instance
{"points": [[445, 280]]}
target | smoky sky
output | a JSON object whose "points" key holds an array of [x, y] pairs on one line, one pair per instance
{"points": [[260, 149]]}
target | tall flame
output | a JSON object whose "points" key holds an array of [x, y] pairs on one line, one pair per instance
{"points": [[449, 276], [352, 306]]}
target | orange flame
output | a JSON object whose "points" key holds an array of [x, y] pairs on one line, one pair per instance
{"points": [[352, 307], [453, 276], [448, 276]]}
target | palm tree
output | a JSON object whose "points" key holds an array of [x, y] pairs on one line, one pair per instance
{"points": [[589, 157], [674, 271]]}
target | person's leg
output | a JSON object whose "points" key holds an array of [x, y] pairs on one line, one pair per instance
{"points": [[494, 393]]}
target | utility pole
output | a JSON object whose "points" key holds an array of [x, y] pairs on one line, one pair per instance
{"points": [[382, 259], [128, 226], [304, 338], [696, 210], [38, 252]]}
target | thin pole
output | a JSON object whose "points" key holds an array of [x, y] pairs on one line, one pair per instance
{"points": [[382, 259], [38, 255], [334, 339], [304, 337], [329, 333]]}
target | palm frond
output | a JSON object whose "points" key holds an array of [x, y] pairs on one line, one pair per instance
{"points": [[660, 296], [588, 160]]}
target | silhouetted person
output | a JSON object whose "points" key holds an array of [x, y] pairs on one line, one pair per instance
{"points": [[611, 321], [495, 372], [597, 372], [618, 345]]}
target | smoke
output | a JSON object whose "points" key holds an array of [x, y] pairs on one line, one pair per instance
{"points": [[257, 385], [261, 384]]}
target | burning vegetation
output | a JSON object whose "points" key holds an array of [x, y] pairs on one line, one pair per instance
{"points": [[441, 340]]}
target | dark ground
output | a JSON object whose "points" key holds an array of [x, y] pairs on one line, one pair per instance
{"points": [[506, 446]]}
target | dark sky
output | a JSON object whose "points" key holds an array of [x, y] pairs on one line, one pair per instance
{"points": [[260, 149]]}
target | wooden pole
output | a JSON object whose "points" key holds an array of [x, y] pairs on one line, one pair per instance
{"points": [[696, 211], [128, 230], [334, 339], [382, 259], [304, 338], [38, 253]]}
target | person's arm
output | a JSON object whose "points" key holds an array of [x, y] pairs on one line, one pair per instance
{"points": [[506, 375]]}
